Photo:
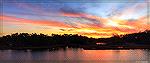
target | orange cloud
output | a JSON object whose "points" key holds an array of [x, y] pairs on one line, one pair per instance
{"points": [[140, 24], [95, 32], [36, 22]]}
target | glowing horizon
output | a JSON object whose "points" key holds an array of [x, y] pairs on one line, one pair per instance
{"points": [[92, 19]]}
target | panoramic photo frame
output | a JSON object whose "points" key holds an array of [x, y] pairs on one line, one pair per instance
{"points": [[75, 31]]}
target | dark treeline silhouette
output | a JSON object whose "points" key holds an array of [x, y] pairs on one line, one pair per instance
{"points": [[23, 40], [140, 38], [33, 41]]}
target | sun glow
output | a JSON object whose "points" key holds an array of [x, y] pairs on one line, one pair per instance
{"points": [[112, 23], [86, 30]]}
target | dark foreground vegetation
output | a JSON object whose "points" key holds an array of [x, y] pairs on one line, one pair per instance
{"points": [[21, 41]]}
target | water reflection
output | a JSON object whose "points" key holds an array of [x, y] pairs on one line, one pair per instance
{"points": [[77, 56]]}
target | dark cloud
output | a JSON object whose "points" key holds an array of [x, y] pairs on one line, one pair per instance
{"points": [[62, 29], [72, 9], [94, 21], [131, 20], [66, 29]]}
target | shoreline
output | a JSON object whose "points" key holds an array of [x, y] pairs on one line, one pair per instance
{"points": [[84, 47]]}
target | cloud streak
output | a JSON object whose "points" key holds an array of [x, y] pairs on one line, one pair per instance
{"points": [[36, 22]]}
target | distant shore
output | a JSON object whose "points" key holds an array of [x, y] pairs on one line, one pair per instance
{"points": [[115, 47], [90, 47]]}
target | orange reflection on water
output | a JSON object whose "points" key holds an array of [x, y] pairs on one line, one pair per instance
{"points": [[106, 54]]}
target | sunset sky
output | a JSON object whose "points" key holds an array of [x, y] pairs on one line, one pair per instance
{"points": [[92, 18]]}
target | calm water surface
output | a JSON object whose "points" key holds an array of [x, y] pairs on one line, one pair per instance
{"points": [[76, 56]]}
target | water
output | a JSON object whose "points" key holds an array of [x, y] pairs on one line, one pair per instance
{"points": [[76, 56]]}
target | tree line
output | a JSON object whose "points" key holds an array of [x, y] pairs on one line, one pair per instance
{"points": [[71, 40]]}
